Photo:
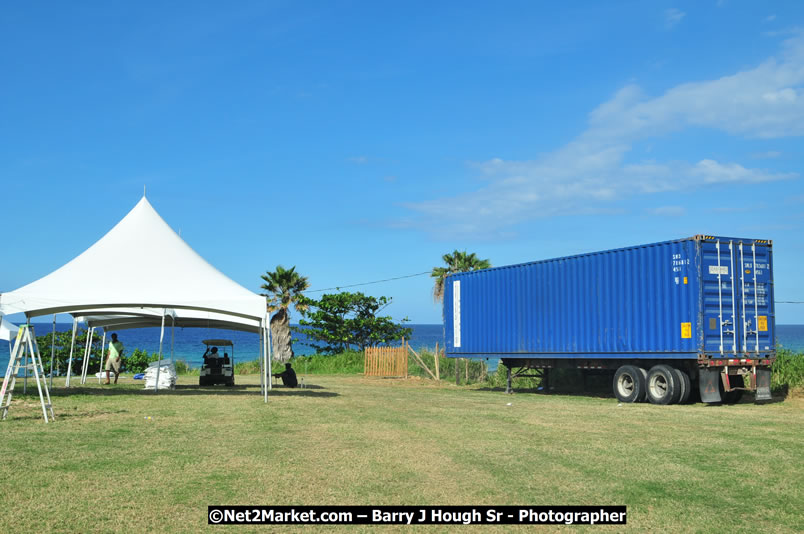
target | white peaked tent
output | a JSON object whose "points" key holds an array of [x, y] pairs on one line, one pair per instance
{"points": [[142, 264]]}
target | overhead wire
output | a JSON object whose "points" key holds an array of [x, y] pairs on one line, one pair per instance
{"points": [[338, 288]]}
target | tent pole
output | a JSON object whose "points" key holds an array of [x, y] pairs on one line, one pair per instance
{"points": [[172, 333], [87, 353], [72, 346], [159, 363], [269, 345], [103, 352], [269, 354], [84, 359], [267, 363], [52, 350], [25, 374], [262, 381]]}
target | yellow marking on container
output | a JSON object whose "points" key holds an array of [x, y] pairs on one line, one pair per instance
{"points": [[762, 323], [685, 279], [686, 330], [748, 271]]}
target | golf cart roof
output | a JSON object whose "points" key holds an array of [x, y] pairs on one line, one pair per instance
{"points": [[222, 342]]}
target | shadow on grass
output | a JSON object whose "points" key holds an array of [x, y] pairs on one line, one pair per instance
{"points": [[289, 392], [556, 392], [180, 390]]}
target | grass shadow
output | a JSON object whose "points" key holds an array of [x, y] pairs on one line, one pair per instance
{"points": [[180, 390], [558, 391]]}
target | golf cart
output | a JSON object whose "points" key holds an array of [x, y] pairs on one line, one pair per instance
{"points": [[217, 368]]}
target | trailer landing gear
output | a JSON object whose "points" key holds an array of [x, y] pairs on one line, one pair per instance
{"points": [[543, 374]]}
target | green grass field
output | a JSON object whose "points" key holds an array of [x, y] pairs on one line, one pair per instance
{"points": [[102, 466]]}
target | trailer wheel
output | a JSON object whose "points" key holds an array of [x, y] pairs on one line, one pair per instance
{"points": [[629, 384], [685, 385], [663, 385]]}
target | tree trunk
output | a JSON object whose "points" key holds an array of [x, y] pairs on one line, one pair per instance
{"points": [[280, 336]]}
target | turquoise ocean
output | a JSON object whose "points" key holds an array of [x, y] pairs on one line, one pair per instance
{"points": [[188, 346]]}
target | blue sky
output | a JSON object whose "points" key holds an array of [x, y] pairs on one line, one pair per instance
{"points": [[360, 141]]}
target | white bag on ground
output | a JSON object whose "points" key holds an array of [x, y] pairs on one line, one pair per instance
{"points": [[167, 375]]}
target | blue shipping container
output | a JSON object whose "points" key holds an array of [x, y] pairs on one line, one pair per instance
{"points": [[695, 298]]}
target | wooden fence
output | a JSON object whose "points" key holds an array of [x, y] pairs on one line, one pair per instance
{"points": [[386, 361]]}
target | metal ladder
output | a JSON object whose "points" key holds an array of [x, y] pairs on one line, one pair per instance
{"points": [[24, 346]]}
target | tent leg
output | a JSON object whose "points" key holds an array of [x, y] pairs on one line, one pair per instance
{"points": [[52, 350], [265, 354], [103, 351], [172, 334], [262, 365], [87, 354], [159, 363], [269, 349], [25, 373], [72, 347]]}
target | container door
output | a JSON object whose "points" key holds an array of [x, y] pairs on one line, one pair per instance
{"points": [[720, 292], [756, 299]]}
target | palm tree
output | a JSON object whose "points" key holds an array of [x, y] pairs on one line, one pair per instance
{"points": [[284, 287], [457, 262]]}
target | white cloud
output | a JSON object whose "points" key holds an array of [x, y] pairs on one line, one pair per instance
{"points": [[667, 211], [672, 17], [770, 18], [770, 154], [358, 160], [591, 171], [712, 172]]}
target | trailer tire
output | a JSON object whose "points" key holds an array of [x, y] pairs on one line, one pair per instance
{"points": [[685, 385], [629, 384], [663, 385]]}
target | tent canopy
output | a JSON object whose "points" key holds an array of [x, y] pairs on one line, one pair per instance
{"points": [[141, 262], [126, 318], [8, 331]]}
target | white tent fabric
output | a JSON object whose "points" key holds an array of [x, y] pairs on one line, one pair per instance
{"points": [[139, 262], [126, 318], [143, 263], [8, 331]]}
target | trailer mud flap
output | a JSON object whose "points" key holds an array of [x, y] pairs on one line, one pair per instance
{"points": [[763, 384], [709, 385]]}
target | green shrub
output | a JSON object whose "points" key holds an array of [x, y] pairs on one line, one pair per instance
{"points": [[787, 370], [247, 368], [349, 362], [477, 371], [138, 360], [183, 368]]}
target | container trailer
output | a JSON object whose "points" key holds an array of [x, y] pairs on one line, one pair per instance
{"points": [[667, 319]]}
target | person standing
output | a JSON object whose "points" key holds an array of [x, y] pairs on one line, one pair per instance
{"points": [[115, 358]]}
